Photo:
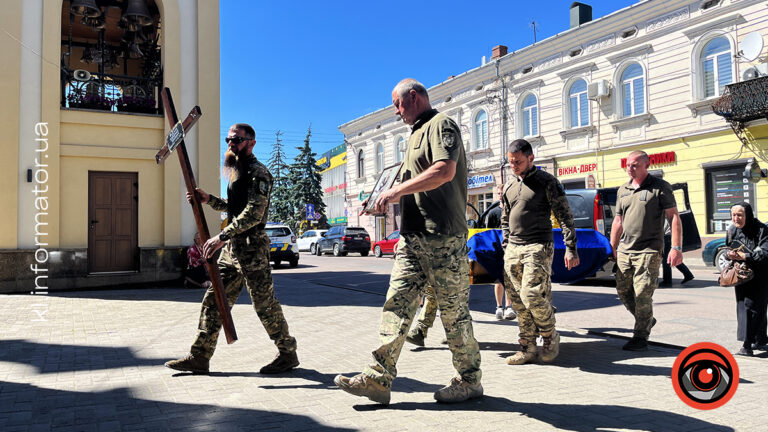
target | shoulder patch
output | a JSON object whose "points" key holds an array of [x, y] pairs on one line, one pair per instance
{"points": [[263, 187], [448, 138]]}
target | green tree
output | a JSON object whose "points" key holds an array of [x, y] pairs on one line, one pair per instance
{"points": [[305, 184], [280, 208]]}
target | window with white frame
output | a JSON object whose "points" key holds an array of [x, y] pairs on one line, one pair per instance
{"points": [[484, 201], [481, 130], [717, 70], [399, 149], [578, 105], [379, 157], [632, 91], [530, 116], [360, 164]]}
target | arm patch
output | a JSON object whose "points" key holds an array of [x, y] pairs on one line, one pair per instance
{"points": [[263, 187]]}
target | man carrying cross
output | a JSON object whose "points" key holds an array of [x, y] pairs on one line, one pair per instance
{"points": [[244, 259]]}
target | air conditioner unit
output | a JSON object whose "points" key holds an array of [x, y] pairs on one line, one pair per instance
{"points": [[598, 89], [81, 75]]}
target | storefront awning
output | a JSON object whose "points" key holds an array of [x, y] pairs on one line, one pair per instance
{"points": [[743, 101]]}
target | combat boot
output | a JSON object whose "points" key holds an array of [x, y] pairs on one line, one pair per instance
{"points": [[458, 390], [363, 385], [551, 346], [190, 363], [527, 353], [283, 362], [416, 336]]}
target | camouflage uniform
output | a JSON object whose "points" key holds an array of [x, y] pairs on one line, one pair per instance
{"points": [[528, 201], [432, 251], [244, 259], [636, 280], [428, 311]]}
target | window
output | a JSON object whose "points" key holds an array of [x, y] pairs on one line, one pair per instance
{"points": [[399, 149], [632, 91], [481, 130], [578, 105], [530, 114], [379, 157], [725, 186], [716, 67], [484, 201], [360, 164]]}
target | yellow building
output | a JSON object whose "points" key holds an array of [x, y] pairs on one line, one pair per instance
{"points": [[84, 202]]}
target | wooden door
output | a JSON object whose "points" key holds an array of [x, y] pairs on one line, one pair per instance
{"points": [[112, 221]]}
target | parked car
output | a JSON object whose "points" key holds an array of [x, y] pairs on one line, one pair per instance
{"points": [[308, 240], [388, 245], [714, 254], [283, 245], [342, 239]]}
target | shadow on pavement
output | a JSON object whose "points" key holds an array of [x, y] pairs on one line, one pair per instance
{"points": [[571, 417], [117, 409], [54, 358]]}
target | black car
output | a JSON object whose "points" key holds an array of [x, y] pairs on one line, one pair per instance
{"points": [[341, 240]]}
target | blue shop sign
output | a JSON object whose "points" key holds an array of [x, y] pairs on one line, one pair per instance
{"points": [[480, 181]]}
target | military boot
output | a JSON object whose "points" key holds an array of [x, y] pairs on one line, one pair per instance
{"points": [[551, 346], [190, 363], [363, 385], [458, 390], [283, 362], [527, 353], [416, 336]]}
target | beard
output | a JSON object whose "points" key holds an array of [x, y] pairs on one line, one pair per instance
{"points": [[230, 159]]}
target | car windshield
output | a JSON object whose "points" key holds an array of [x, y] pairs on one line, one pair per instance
{"points": [[278, 232]]}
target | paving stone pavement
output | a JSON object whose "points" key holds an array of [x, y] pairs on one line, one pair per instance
{"points": [[96, 364]]}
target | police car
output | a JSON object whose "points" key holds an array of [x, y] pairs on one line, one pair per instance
{"points": [[282, 245]]}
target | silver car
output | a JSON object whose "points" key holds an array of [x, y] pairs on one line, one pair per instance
{"points": [[308, 240]]}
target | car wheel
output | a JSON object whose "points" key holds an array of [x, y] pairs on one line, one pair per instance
{"points": [[720, 259], [277, 263], [318, 250], [377, 251], [312, 249], [293, 263], [364, 253], [336, 250]]}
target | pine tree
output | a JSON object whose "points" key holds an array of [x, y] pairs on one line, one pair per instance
{"points": [[280, 208], [305, 179]]}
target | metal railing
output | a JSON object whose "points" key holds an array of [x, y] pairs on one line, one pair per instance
{"points": [[110, 92], [743, 101]]}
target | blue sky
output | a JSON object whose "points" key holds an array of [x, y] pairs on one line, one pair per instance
{"points": [[287, 64]]}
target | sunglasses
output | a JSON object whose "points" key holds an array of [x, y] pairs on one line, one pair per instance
{"points": [[236, 140]]}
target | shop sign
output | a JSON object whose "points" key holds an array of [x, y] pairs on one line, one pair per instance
{"points": [[335, 188], [656, 159], [338, 220], [577, 169], [480, 181]]}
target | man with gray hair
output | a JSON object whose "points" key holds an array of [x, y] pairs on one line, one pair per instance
{"points": [[637, 238], [432, 251]]}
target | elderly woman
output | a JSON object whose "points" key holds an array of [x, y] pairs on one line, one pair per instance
{"points": [[751, 296]]}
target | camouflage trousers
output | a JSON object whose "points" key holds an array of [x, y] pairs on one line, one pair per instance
{"points": [[441, 262], [528, 283], [428, 311], [244, 261], [637, 278]]}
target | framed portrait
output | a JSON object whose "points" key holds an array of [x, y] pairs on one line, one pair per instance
{"points": [[384, 182]]}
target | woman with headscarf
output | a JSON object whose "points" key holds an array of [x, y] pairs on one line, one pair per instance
{"points": [[751, 296]]}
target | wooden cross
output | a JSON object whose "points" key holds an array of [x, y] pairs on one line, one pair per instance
{"points": [[175, 141]]}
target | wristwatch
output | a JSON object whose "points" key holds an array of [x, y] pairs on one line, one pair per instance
{"points": [[677, 248], [223, 236]]}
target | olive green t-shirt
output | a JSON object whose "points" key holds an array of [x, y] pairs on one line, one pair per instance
{"points": [[435, 137], [643, 214]]}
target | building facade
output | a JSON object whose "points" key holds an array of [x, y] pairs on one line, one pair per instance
{"points": [[333, 165], [83, 196], [642, 78]]}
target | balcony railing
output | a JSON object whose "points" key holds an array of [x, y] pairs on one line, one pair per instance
{"points": [[110, 92], [743, 101]]}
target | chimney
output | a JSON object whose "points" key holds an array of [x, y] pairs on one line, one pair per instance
{"points": [[499, 51], [580, 13]]}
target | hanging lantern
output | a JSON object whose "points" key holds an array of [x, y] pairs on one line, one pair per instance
{"points": [[86, 8], [87, 57], [137, 15]]}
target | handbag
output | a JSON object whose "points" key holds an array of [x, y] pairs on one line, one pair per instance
{"points": [[735, 273]]}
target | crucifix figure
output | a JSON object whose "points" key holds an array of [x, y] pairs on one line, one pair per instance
{"points": [[175, 141]]}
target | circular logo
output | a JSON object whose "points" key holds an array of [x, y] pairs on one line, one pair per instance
{"points": [[705, 376]]}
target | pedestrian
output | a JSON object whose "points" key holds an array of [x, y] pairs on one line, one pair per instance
{"points": [[527, 202], [195, 275], [637, 239], [666, 269], [432, 251], [751, 235], [493, 220], [244, 258]]}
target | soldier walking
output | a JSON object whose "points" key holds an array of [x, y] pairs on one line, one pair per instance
{"points": [[244, 259], [432, 251], [527, 202], [637, 238]]}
